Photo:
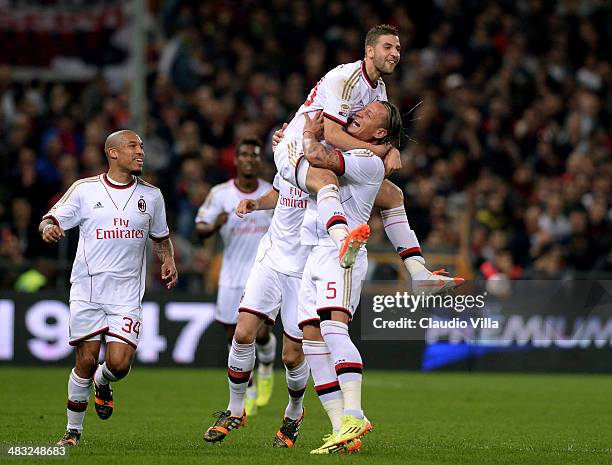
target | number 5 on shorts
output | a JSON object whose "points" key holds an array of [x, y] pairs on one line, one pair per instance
{"points": [[331, 289]]}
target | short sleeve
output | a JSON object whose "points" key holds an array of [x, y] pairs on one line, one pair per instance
{"points": [[211, 208], [362, 167], [338, 91], [276, 182], [159, 226], [67, 212]]}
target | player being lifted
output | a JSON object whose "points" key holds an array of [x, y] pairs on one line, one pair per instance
{"points": [[116, 213], [343, 91], [240, 239], [272, 286], [329, 294]]}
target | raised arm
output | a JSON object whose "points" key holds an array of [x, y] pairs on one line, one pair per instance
{"points": [[165, 253]]}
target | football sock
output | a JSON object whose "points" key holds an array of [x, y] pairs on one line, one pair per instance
{"points": [[251, 391], [266, 354], [240, 363], [79, 390], [347, 363], [403, 238], [297, 378], [331, 213], [104, 375], [325, 380]]}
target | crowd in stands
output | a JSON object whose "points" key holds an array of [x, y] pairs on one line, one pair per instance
{"points": [[506, 157]]}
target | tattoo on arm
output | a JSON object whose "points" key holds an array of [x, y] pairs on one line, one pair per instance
{"points": [[320, 156], [163, 249]]}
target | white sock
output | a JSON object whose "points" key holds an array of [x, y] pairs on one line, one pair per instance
{"points": [[403, 238], [266, 353], [79, 390], [335, 411], [326, 383], [331, 213], [240, 363], [416, 269], [103, 375], [347, 363], [297, 378]]}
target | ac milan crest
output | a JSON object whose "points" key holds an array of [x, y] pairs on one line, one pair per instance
{"points": [[142, 205]]}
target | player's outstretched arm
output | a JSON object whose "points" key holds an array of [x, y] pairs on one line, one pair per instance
{"points": [[265, 202], [49, 231], [318, 155], [165, 252], [206, 230]]}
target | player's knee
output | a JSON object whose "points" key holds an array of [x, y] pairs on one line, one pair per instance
{"points": [[118, 366], [389, 196], [312, 332], [317, 178], [86, 365], [244, 335], [292, 357]]}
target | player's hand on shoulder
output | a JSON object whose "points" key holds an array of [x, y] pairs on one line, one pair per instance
{"points": [[278, 136], [314, 124], [221, 219], [52, 233], [246, 206], [393, 161], [169, 273]]}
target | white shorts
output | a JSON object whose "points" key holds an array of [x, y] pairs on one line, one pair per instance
{"points": [[118, 323], [328, 286], [266, 292], [290, 162], [228, 301]]}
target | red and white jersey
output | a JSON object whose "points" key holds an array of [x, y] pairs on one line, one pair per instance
{"points": [[363, 174], [344, 90], [114, 225], [280, 248], [240, 236]]}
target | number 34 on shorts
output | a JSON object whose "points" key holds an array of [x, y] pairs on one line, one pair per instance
{"points": [[119, 323]]}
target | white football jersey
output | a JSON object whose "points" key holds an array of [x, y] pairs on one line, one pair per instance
{"points": [[240, 236], [344, 90], [114, 225], [363, 174], [280, 248]]}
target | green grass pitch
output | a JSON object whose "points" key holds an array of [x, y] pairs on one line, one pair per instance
{"points": [[452, 418]]}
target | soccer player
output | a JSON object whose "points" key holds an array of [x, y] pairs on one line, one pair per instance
{"points": [[272, 286], [240, 239], [116, 213], [329, 294], [343, 91]]}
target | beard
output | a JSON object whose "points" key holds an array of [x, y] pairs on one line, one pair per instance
{"points": [[383, 67], [137, 172]]}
